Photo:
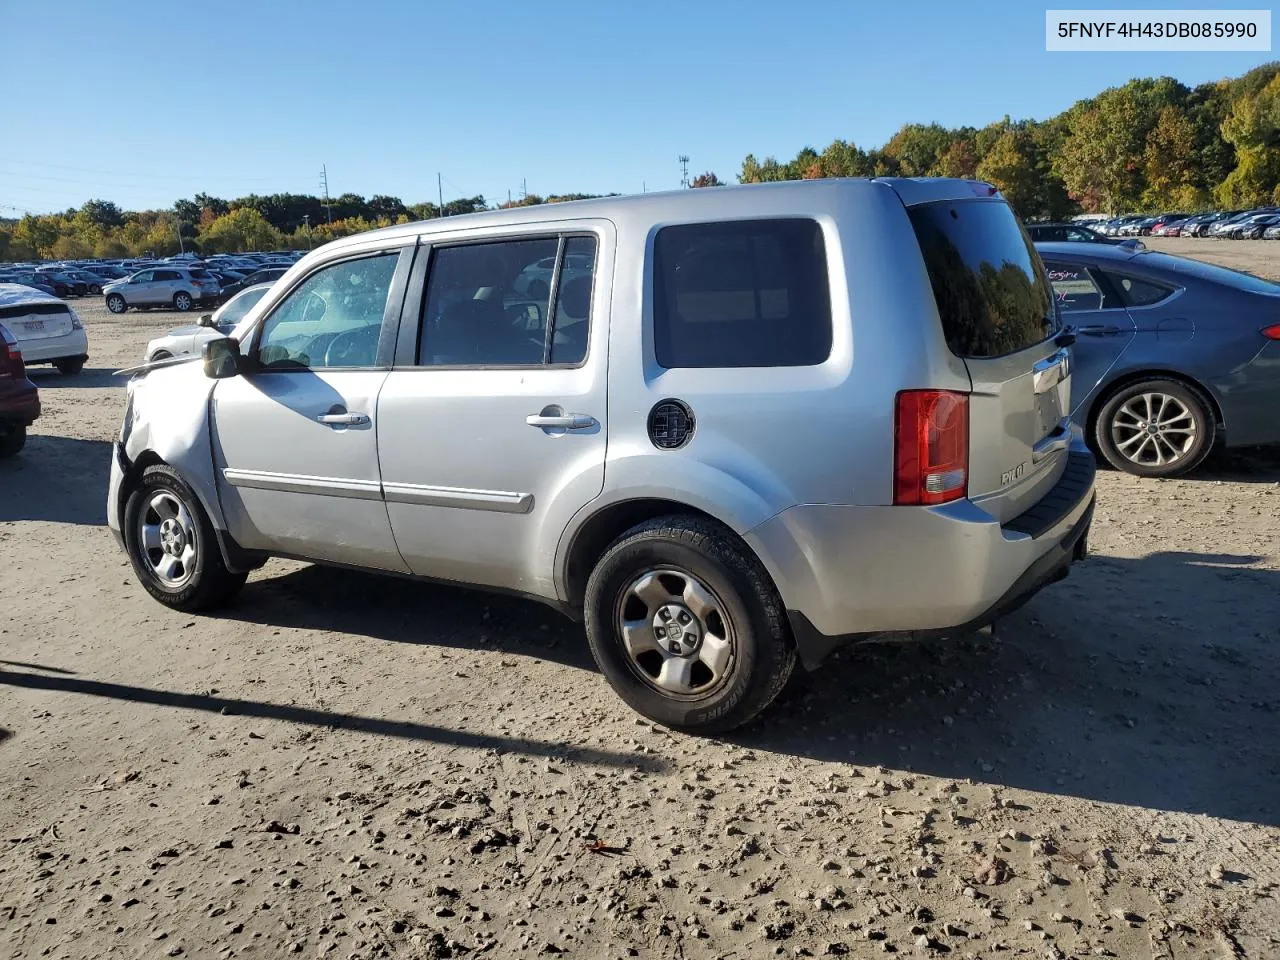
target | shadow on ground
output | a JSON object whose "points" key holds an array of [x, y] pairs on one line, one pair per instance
{"points": [[1150, 682], [409, 611], [56, 479]]}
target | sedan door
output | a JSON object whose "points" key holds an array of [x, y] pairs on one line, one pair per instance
{"points": [[492, 427], [1103, 327], [295, 436]]}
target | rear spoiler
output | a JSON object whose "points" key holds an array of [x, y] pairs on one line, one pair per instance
{"points": [[916, 190]]}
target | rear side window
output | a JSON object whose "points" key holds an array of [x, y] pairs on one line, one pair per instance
{"points": [[750, 293], [1075, 289], [992, 294], [1138, 293]]}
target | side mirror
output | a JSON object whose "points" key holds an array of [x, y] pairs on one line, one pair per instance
{"points": [[221, 358], [206, 319]]}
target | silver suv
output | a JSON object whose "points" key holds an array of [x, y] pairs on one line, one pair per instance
{"points": [[750, 425], [179, 287]]}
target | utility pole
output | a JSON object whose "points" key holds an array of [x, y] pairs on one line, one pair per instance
{"points": [[306, 222], [440, 191], [324, 185], [182, 248], [524, 193], [684, 170]]}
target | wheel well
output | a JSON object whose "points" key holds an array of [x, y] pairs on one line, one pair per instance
{"points": [[594, 537], [1138, 376]]}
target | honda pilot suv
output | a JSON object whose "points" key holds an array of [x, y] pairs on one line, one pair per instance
{"points": [[738, 428]]}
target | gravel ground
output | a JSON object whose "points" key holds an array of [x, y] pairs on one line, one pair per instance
{"points": [[349, 766]]}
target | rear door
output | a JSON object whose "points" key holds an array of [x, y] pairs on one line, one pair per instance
{"points": [[1103, 327], [998, 315]]}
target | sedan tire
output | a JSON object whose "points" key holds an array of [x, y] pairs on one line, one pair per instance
{"points": [[1155, 428]]}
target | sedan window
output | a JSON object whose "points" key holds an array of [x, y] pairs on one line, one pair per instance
{"points": [[1138, 293], [1074, 288]]}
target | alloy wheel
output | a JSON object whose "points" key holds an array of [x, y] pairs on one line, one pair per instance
{"points": [[677, 635], [1153, 429], [168, 538]]}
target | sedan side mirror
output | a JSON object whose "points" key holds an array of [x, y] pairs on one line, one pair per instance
{"points": [[221, 358], [206, 319]]}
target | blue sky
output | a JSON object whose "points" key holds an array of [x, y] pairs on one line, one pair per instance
{"points": [[142, 103]]}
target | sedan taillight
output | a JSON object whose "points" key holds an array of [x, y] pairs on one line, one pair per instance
{"points": [[1272, 332]]}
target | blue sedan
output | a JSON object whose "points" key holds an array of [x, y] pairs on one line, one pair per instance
{"points": [[1172, 355]]}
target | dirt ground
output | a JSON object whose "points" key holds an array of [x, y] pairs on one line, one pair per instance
{"points": [[348, 766]]}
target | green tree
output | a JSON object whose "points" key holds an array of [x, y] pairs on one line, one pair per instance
{"points": [[1253, 128], [104, 213], [959, 160], [1010, 165], [1169, 160], [241, 229], [918, 147]]}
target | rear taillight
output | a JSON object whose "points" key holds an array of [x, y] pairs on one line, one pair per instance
{"points": [[931, 447], [1272, 332], [11, 359]]}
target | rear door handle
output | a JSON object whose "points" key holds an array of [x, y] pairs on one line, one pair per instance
{"points": [[344, 419], [1097, 330], [565, 421]]}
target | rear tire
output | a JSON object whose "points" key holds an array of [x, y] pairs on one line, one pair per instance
{"points": [[69, 367], [182, 302], [163, 517], [737, 654], [1155, 428], [94, 289], [116, 304], [12, 442]]}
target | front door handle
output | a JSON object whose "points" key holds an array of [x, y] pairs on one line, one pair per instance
{"points": [[344, 419], [564, 421], [1098, 330]]}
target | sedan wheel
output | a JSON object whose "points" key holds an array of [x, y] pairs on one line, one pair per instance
{"points": [[1157, 428]]}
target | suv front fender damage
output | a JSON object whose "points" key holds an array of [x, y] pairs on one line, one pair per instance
{"points": [[167, 421]]}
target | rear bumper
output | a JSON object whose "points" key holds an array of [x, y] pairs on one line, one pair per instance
{"points": [[73, 345], [1250, 396], [849, 573], [19, 405]]}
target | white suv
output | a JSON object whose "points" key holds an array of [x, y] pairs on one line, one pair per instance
{"points": [[749, 425]]}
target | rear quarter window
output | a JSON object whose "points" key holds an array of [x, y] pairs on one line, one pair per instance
{"points": [[992, 294], [746, 293]]}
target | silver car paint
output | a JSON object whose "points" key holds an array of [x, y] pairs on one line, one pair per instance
{"points": [[797, 460]]}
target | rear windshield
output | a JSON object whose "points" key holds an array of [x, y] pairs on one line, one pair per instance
{"points": [[1207, 271], [199, 274], [32, 310], [992, 294]]}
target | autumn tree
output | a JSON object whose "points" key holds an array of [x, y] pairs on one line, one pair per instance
{"points": [[1169, 163], [707, 179]]}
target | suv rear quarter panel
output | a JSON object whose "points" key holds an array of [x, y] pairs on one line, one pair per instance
{"points": [[769, 438]]}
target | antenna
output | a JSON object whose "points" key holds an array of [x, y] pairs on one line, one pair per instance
{"points": [[324, 186], [684, 169], [440, 191]]}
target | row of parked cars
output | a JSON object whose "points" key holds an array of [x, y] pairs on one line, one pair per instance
{"points": [[1260, 223], [180, 282]]}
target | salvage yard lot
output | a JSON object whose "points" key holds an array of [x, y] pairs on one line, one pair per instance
{"points": [[344, 765]]}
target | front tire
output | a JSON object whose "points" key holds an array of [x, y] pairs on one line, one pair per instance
{"points": [[94, 289], [172, 544], [182, 302], [1155, 428], [12, 442], [116, 304], [686, 625], [69, 367]]}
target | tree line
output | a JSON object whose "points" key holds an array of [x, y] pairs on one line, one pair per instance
{"points": [[1152, 144]]}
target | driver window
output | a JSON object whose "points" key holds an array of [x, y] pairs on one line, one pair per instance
{"points": [[332, 319]]}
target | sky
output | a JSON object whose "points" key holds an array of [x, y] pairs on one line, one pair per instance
{"points": [[145, 102]]}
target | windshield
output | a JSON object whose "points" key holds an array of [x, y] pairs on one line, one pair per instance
{"points": [[992, 294], [237, 307]]}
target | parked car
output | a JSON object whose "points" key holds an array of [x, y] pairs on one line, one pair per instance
{"points": [[699, 464], [1172, 355], [1073, 233], [33, 280], [185, 341], [64, 283], [1222, 226], [262, 275], [1196, 226], [1252, 228], [1169, 227], [92, 282], [180, 288], [19, 398], [1272, 233], [47, 330]]}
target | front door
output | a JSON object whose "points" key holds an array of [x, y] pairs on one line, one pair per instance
{"points": [[295, 437], [492, 426], [139, 288], [1103, 326]]}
